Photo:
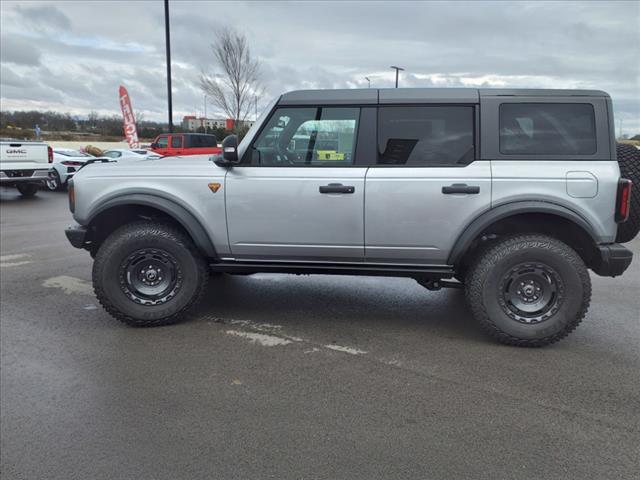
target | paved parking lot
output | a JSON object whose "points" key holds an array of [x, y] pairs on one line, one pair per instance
{"points": [[299, 377]]}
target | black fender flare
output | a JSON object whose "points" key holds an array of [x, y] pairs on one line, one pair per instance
{"points": [[486, 219], [179, 213]]}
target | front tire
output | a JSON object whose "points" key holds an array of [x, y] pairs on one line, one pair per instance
{"points": [[528, 290], [27, 189], [148, 274]]}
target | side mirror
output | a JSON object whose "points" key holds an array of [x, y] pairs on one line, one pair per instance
{"points": [[229, 155], [153, 145]]}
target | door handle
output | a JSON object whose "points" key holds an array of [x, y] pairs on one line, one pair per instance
{"points": [[337, 188], [461, 188]]}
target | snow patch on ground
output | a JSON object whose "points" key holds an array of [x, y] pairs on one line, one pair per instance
{"points": [[69, 285]]}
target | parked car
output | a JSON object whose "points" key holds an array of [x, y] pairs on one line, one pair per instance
{"points": [[181, 144], [511, 195], [66, 161], [24, 165], [128, 154]]}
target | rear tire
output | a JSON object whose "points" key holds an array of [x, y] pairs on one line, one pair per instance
{"points": [[27, 190], [629, 162], [528, 290], [53, 182], [148, 274]]}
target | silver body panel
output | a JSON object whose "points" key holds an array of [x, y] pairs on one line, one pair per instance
{"points": [[278, 213], [396, 215], [409, 220], [183, 180], [551, 181]]}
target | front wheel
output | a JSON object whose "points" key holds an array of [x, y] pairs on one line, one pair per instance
{"points": [[148, 274], [528, 290]]}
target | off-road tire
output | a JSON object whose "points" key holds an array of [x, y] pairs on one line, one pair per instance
{"points": [[629, 162], [117, 247], [27, 190], [484, 289]]}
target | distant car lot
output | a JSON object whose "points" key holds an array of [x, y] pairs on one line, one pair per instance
{"points": [[299, 377]]}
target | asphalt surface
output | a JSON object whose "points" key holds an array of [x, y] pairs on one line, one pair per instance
{"points": [[299, 377]]}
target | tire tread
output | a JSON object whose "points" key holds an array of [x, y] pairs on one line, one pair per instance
{"points": [[128, 231], [491, 256]]}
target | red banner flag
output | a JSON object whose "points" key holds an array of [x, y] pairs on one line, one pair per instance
{"points": [[130, 130]]}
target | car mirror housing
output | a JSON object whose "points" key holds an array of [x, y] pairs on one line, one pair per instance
{"points": [[229, 155]]}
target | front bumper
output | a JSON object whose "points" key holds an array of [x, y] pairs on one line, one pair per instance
{"points": [[76, 234], [612, 261]]}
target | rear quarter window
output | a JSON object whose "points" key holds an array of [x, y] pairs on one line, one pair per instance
{"points": [[547, 129]]}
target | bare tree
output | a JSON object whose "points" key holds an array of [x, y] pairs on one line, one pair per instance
{"points": [[233, 90]]}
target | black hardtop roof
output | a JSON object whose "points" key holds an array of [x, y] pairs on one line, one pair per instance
{"points": [[374, 96]]}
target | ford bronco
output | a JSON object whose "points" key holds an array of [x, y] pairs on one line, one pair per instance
{"points": [[511, 195]]}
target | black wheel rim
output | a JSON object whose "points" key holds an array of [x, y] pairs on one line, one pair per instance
{"points": [[150, 276], [531, 293]]}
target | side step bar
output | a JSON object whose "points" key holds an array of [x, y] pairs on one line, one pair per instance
{"points": [[334, 269]]}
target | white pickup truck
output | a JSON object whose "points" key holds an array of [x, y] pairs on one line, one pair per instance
{"points": [[24, 165]]}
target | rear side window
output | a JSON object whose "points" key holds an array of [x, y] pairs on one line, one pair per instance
{"points": [[547, 129], [425, 136], [176, 142], [201, 141]]}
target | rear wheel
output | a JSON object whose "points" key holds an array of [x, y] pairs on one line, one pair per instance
{"points": [[27, 189], [528, 290], [53, 182], [148, 274], [629, 162]]}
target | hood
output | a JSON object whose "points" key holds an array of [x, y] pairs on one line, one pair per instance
{"points": [[192, 165]]}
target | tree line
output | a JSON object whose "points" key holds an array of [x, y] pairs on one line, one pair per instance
{"points": [[109, 126]]}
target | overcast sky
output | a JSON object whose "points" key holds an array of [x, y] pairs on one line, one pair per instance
{"points": [[72, 56]]}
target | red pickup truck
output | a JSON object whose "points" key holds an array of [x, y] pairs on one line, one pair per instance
{"points": [[174, 144]]}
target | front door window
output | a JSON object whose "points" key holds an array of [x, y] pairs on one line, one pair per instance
{"points": [[315, 137]]}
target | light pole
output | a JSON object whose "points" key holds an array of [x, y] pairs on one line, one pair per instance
{"points": [[205, 105], [397, 69], [255, 99], [168, 52], [369, 81]]}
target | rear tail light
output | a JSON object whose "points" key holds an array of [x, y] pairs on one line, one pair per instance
{"points": [[50, 154], [70, 163], [623, 202], [71, 190]]}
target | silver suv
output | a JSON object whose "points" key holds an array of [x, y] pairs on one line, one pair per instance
{"points": [[509, 194]]}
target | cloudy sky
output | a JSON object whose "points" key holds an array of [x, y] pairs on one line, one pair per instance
{"points": [[72, 56]]}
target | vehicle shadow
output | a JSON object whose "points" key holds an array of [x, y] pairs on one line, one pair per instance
{"points": [[338, 301]]}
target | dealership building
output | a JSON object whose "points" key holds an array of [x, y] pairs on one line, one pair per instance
{"points": [[193, 123]]}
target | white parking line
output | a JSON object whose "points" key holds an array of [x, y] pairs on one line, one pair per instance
{"points": [[349, 350], [270, 335], [6, 260], [260, 338]]}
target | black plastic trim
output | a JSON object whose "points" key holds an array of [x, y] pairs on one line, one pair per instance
{"points": [[489, 217], [76, 235], [613, 260], [335, 268], [175, 211]]}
